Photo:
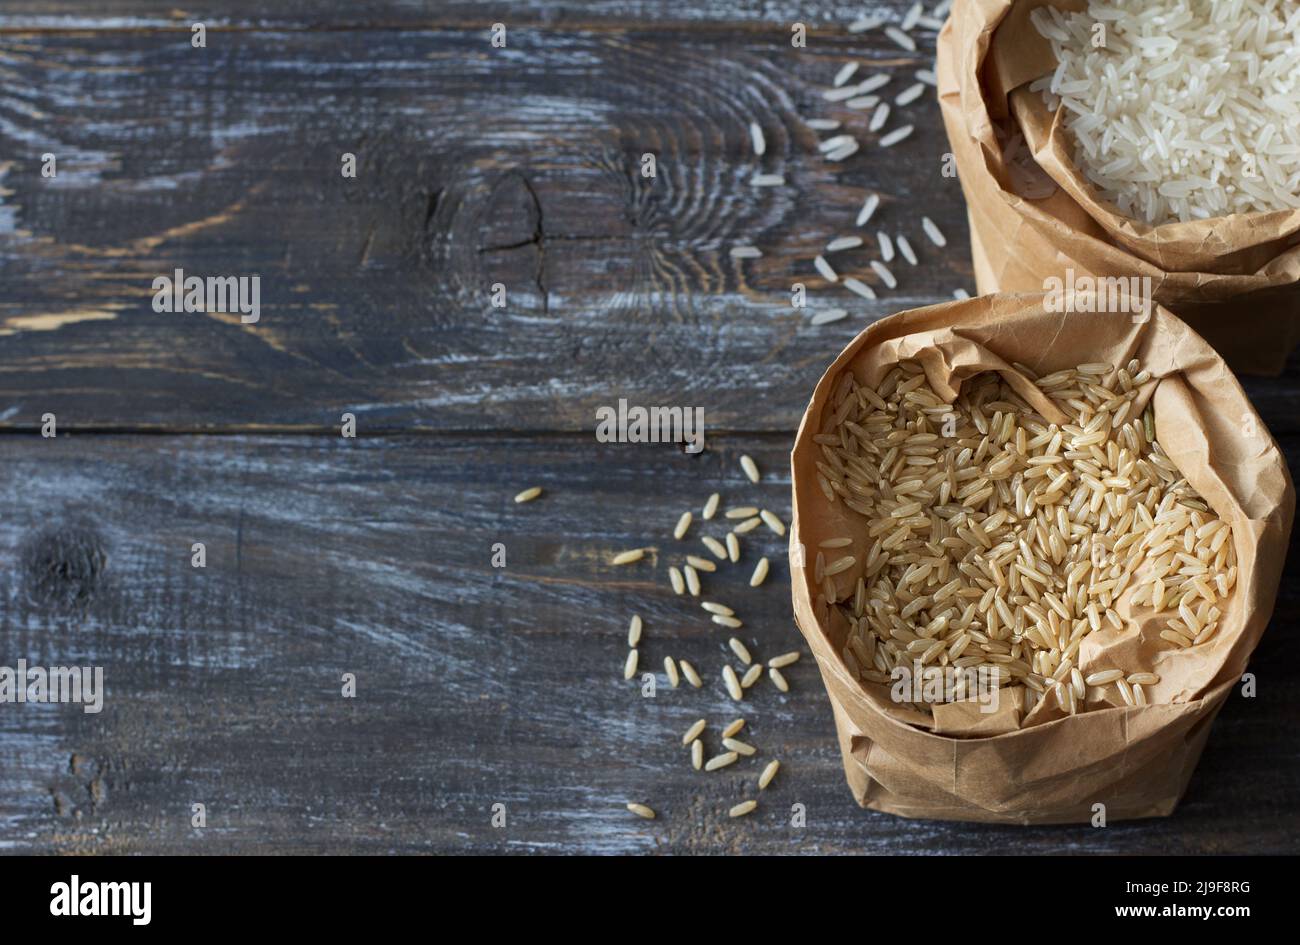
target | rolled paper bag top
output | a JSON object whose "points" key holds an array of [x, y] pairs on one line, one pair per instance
{"points": [[1034, 213], [869, 604]]}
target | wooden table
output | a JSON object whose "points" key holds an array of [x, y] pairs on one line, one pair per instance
{"points": [[476, 685]]}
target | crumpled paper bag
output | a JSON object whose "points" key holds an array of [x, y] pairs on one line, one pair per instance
{"points": [[1235, 279], [1048, 767]]}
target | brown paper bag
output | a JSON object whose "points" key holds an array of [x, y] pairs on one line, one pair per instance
{"points": [[1235, 279], [1135, 760]]}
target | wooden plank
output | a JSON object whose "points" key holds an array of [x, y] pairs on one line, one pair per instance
{"points": [[820, 15], [521, 168], [476, 685]]}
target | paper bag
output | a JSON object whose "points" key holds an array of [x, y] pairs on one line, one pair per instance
{"points": [[1235, 279], [1136, 760]]}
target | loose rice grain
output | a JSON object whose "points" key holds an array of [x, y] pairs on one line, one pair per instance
{"points": [[721, 761], [772, 522], [732, 683], [694, 732], [739, 747]]}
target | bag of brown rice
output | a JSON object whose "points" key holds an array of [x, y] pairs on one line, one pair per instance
{"points": [[1032, 552], [1151, 141]]}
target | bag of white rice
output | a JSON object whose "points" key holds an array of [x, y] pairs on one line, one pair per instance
{"points": [[1153, 144], [1032, 551]]}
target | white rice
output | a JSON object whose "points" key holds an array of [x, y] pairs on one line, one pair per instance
{"points": [[1170, 113], [875, 82], [841, 243], [933, 231], [886, 246], [868, 209], [745, 252], [895, 136], [901, 38], [913, 15], [760, 572], [828, 315], [757, 139], [846, 151], [834, 143], [905, 249], [910, 94], [825, 270], [865, 23], [845, 73], [767, 180], [886, 276], [860, 288], [879, 118]]}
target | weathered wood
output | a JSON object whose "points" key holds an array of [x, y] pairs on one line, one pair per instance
{"points": [[520, 167], [476, 685], [825, 17]]}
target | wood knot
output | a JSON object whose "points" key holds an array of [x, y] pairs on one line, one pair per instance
{"points": [[65, 565]]}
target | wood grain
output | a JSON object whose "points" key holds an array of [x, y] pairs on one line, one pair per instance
{"points": [[825, 17], [476, 685], [520, 167]]}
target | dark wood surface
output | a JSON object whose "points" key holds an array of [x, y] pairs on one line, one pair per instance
{"points": [[476, 685]]}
